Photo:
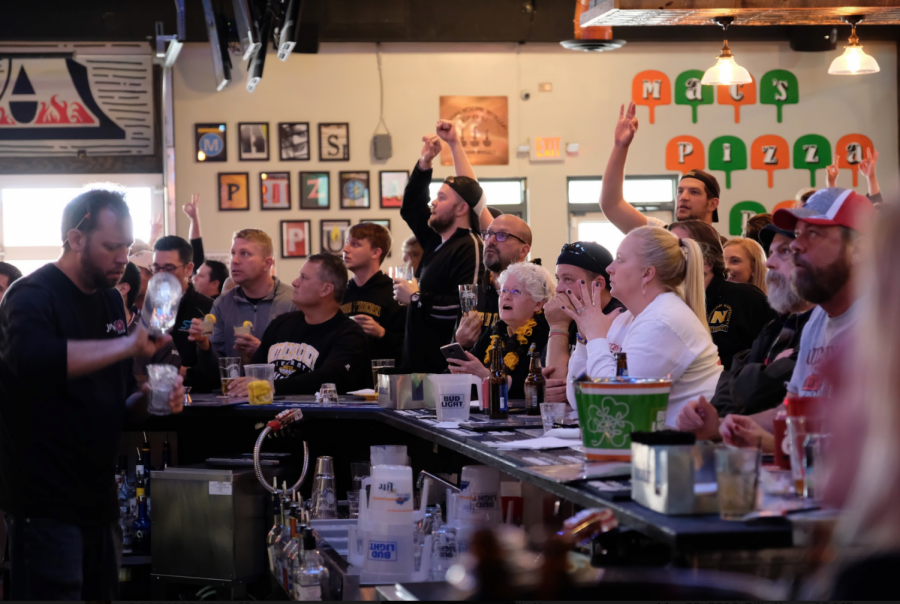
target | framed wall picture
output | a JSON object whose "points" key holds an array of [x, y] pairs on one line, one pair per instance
{"points": [[253, 141], [314, 191], [385, 222], [234, 191], [210, 143], [293, 141], [295, 238], [275, 190], [332, 234], [355, 190], [392, 185], [334, 142]]}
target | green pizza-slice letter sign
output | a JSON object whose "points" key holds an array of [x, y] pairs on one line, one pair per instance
{"points": [[688, 91], [727, 153], [742, 212], [812, 152], [779, 87]]}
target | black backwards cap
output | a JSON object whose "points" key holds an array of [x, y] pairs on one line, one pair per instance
{"points": [[711, 183], [588, 255], [471, 192]]}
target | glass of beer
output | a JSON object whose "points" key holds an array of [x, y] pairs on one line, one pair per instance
{"points": [[377, 365], [229, 370]]}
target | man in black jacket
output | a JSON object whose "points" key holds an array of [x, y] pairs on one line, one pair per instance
{"points": [[319, 344], [446, 228], [369, 299], [174, 255], [756, 380]]}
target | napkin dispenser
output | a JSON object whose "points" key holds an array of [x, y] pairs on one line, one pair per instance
{"points": [[674, 479], [401, 389]]}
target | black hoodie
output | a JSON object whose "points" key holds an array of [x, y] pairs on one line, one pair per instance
{"points": [[445, 265], [375, 298]]}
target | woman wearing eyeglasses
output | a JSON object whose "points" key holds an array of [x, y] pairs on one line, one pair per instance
{"points": [[664, 332], [524, 289]]}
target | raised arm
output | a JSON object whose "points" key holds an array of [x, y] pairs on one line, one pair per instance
{"points": [[449, 133], [867, 167], [612, 196]]}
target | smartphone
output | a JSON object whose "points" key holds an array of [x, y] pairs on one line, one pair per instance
{"points": [[454, 351]]}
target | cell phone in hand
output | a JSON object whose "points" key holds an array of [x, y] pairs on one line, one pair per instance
{"points": [[454, 351]]}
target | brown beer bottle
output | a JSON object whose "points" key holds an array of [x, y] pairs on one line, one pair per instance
{"points": [[621, 365], [498, 388], [535, 384]]}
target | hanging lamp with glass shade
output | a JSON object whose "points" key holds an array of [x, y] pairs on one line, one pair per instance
{"points": [[726, 71], [854, 61]]}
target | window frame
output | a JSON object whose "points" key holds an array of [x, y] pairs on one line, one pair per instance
{"points": [[580, 209], [520, 209]]}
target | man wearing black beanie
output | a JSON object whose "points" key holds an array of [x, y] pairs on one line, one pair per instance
{"points": [[446, 228]]}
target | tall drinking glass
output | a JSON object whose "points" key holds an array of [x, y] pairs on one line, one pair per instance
{"points": [[229, 370], [162, 380], [737, 475], [378, 364], [468, 298]]}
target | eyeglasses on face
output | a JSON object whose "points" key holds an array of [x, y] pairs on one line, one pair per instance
{"points": [[501, 236], [169, 268], [512, 292]]}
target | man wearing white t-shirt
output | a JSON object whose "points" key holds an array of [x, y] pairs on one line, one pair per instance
{"points": [[826, 254]]}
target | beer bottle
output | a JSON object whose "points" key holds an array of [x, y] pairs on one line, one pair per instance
{"points": [[498, 396], [535, 384], [621, 365]]}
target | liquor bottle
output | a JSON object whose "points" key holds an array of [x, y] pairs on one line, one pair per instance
{"points": [[141, 528], [291, 549], [621, 365], [284, 539], [275, 531], [122, 495], [535, 384], [312, 576], [498, 396], [140, 482], [167, 453]]}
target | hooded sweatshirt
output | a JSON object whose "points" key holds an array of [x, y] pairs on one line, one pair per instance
{"points": [[375, 298]]}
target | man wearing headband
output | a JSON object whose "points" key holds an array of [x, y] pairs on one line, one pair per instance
{"points": [[577, 263], [447, 230], [698, 191]]}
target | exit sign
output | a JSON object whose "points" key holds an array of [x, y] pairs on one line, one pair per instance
{"points": [[547, 148]]}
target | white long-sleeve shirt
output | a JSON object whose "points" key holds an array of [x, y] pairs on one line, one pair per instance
{"points": [[665, 340]]}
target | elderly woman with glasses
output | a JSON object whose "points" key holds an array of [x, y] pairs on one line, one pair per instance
{"points": [[524, 289]]}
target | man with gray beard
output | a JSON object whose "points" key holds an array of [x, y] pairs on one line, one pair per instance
{"points": [[756, 380]]}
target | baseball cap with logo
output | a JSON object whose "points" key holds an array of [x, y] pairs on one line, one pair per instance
{"points": [[142, 259], [829, 207]]}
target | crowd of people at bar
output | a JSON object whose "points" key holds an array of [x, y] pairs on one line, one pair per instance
{"points": [[736, 324]]}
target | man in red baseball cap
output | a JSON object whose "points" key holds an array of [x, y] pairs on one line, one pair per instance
{"points": [[826, 254]]}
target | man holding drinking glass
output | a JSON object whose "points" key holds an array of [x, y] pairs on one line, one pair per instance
{"points": [[66, 389]]}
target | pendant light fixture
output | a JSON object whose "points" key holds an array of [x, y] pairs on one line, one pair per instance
{"points": [[854, 61], [726, 71]]}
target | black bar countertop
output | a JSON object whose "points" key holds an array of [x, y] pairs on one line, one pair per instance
{"points": [[682, 533]]}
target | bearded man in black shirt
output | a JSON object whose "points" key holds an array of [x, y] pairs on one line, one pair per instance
{"points": [[66, 385]]}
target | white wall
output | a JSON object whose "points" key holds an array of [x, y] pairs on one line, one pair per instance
{"points": [[340, 84]]}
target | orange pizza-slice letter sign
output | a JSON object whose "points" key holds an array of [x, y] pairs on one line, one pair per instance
{"points": [[851, 150], [651, 88], [770, 152], [737, 95], [685, 153]]}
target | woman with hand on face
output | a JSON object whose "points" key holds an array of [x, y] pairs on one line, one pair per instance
{"points": [[524, 289], [659, 279]]}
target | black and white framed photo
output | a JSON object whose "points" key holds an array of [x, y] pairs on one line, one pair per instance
{"points": [[275, 190], [332, 234], [355, 191], [334, 142], [293, 141], [253, 141]]}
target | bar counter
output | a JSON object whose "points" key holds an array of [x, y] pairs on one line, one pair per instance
{"points": [[346, 430]]}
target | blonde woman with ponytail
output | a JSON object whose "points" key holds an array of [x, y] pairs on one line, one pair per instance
{"points": [[664, 332]]}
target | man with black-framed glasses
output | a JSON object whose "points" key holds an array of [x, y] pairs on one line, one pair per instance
{"points": [[174, 255], [506, 241]]}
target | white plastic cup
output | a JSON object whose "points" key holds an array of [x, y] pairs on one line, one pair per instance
{"points": [[389, 553], [391, 495], [452, 393], [388, 455], [480, 495], [162, 380]]}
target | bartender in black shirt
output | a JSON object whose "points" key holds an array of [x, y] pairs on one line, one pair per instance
{"points": [[66, 385]]}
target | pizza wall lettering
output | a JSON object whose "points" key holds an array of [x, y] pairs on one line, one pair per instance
{"points": [[58, 106]]}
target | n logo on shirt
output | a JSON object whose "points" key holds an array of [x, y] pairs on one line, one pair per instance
{"points": [[719, 318]]}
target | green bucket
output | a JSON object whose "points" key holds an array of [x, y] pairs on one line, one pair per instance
{"points": [[610, 409]]}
